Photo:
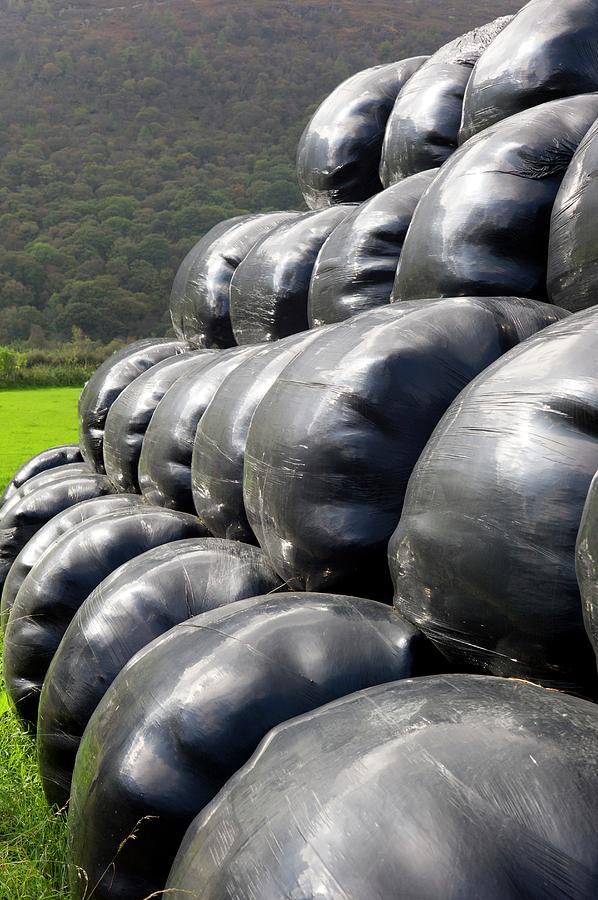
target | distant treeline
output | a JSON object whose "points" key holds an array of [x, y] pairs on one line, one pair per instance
{"points": [[126, 133], [68, 364]]}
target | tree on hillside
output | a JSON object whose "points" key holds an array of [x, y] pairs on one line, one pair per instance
{"points": [[127, 134]]}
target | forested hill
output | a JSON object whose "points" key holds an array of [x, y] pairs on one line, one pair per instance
{"points": [[129, 129]]}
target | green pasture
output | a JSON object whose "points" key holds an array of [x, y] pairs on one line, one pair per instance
{"points": [[32, 838], [33, 420]]}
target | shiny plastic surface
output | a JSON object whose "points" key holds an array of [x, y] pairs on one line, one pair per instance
{"points": [[269, 291], [42, 462], [191, 708], [167, 449], [199, 303], [36, 503], [483, 558], [221, 437], [586, 563], [63, 577], [549, 50], [50, 532], [136, 604], [339, 152], [182, 298], [448, 787], [483, 226], [573, 248], [355, 269], [48, 476], [130, 414], [333, 443], [108, 382], [423, 127]]}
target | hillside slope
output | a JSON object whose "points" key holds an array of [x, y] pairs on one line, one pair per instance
{"points": [[129, 130]]}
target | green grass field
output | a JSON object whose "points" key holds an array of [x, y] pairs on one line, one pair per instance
{"points": [[32, 838], [34, 420]]}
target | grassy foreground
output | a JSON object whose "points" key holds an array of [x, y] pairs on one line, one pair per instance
{"points": [[32, 838], [33, 420]]}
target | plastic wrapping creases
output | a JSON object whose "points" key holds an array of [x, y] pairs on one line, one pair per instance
{"points": [[491, 785], [423, 127], [221, 437], [573, 248], [339, 152], [333, 443], [37, 545], [62, 579], [130, 414], [192, 707], [356, 267], [270, 289], [549, 50], [140, 601], [483, 558], [52, 458], [36, 503], [167, 448], [108, 382], [199, 302], [483, 226]]}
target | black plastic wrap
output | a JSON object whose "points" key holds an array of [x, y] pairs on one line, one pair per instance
{"points": [[45, 461], [586, 563], [32, 507], [333, 443], [130, 414], [484, 555], [573, 248], [61, 580], [356, 267], [167, 450], [483, 226], [423, 127], [199, 303], [48, 476], [182, 301], [339, 152], [549, 50], [108, 382], [447, 787], [270, 289], [136, 604], [192, 707], [50, 532], [221, 437]]}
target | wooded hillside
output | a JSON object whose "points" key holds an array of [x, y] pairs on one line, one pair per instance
{"points": [[127, 131]]}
